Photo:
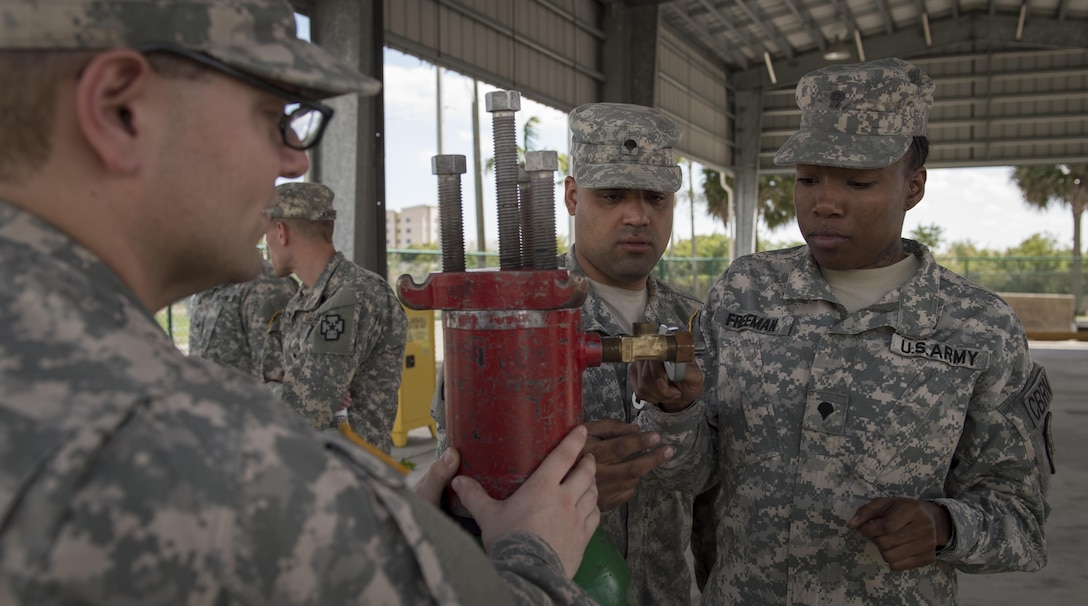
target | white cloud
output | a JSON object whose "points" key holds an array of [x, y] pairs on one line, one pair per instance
{"points": [[977, 204]]}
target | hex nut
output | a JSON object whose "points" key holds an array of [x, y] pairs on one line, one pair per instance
{"points": [[448, 164], [503, 100], [536, 161]]}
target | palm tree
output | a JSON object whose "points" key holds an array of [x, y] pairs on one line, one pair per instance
{"points": [[1043, 185], [717, 200], [775, 206], [776, 200], [529, 139]]}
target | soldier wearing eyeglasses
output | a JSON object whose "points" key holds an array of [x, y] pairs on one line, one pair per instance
{"points": [[142, 140]]}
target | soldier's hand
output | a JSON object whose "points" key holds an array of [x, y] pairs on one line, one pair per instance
{"points": [[907, 531], [623, 454], [558, 503], [345, 402], [438, 476], [652, 383]]}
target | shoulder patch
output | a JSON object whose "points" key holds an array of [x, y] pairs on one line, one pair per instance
{"points": [[1034, 407], [334, 324], [1037, 397], [941, 352], [333, 332], [331, 326]]}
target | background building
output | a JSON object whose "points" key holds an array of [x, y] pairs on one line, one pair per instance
{"points": [[411, 227]]}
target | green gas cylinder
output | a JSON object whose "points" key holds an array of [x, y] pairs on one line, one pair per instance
{"points": [[603, 573]]}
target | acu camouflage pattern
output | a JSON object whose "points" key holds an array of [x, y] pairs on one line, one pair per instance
{"points": [[811, 412], [861, 115], [255, 36], [228, 323], [623, 146], [131, 474], [303, 200], [652, 530], [345, 334]]}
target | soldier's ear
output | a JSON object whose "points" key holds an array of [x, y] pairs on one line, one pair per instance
{"points": [[283, 233], [916, 187], [116, 110], [570, 195]]}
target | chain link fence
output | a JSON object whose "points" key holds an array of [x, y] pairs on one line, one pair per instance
{"points": [[695, 275]]}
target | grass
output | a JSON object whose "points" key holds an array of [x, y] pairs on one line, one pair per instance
{"points": [[175, 323]]}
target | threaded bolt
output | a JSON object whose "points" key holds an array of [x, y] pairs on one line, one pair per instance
{"points": [[525, 216], [449, 168], [503, 105], [541, 166]]}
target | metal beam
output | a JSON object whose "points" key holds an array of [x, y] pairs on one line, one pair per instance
{"points": [[1063, 6], [1017, 142], [746, 37], [734, 55], [808, 25], [886, 16], [1009, 161], [1081, 95], [847, 16], [981, 33], [757, 21]]}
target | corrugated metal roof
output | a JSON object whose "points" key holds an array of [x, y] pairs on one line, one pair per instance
{"points": [[1012, 75]]}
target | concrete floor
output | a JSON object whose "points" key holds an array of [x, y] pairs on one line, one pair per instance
{"points": [[1064, 581]]}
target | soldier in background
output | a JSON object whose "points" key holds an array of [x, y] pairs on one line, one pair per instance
{"points": [[875, 421], [344, 332], [228, 323], [142, 140], [622, 193]]}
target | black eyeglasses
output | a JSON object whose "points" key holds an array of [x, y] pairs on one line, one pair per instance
{"points": [[303, 121]]}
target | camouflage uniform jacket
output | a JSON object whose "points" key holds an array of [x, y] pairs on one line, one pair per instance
{"points": [[652, 529], [228, 323], [132, 474], [345, 334], [811, 412]]}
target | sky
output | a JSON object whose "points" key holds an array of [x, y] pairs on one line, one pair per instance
{"points": [[977, 204], [981, 205]]}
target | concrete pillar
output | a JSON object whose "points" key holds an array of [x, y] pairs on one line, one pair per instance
{"points": [[749, 106], [630, 53], [351, 157]]}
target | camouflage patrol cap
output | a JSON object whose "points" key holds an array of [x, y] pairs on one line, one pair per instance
{"points": [[302, 200], [862, 115], [622, 146], [254, 36]]}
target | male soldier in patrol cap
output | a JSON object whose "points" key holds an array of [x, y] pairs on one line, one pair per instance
{"points": [[228, 323], [142, 140], [621, 193], [875, 420], [343, 333]]}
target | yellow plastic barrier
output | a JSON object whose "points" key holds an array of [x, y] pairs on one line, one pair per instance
{"points": [[418, 381]]}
